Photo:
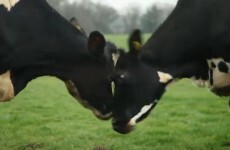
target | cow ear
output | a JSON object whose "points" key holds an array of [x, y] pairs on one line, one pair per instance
{"points": [[96, 43], [135, 42]]}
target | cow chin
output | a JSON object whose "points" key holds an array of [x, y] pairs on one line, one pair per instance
{"points": [[122, 127], [6, 87]]}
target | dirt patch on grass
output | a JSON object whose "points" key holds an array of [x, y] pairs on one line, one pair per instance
{"points": [[31, 146], [100, 148]]}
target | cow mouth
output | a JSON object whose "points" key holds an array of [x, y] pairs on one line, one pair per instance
{"points": [[72, 89], [102, 116], [122, 127]]}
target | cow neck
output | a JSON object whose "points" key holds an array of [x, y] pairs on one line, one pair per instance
{"points": [[182, 38], [22, 76]]}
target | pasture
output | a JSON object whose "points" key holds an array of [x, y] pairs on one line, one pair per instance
{"points": [[45, 117]]}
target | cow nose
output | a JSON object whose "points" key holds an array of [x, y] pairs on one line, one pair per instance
{"points": [[122, 127]]}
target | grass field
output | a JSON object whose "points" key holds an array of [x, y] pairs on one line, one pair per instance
{"points": [[45, 117]]}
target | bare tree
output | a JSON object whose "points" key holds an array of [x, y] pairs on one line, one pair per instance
{"points": [[154, 16], [91, 16], [131, 19], [104, 16]]}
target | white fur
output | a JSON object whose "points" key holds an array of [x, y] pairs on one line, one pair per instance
{"points": [[9, 3], [115, 57], [164, 77], [144, 109]]}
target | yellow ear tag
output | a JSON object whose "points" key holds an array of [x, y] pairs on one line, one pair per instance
{"points": [[78, 27], [137, 45]]}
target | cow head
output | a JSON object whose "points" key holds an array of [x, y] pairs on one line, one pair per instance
{"points": [[92, 87], [137, 87], [89, 81]]}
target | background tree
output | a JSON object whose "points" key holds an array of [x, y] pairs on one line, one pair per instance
{"points": [[106, 19], [131, 19]]}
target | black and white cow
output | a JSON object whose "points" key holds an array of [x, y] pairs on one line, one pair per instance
{"points": [[36, 41], [193, 42]]}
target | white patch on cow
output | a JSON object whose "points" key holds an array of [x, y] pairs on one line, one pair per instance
{"points": [[122, 76], [164, 77], [115, 57], [6, 87], [220, 79], [144, 110], [113, 87], [9, 3]]}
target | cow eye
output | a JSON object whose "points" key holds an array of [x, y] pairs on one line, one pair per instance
{"points": [[122, 76], [118, 78]]}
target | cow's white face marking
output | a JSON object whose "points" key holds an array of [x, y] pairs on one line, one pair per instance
{"points": [[144, 110], [6, 87], [115, 57], [220, 79], [113, 87], [164, 77], [9, 3]]}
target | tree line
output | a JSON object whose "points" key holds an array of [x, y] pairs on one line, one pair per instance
{"points": [[95, 16]]}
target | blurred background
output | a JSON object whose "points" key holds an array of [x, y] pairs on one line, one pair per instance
{"points": [[120, 16]]}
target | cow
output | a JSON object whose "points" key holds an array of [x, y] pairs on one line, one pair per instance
{"points": [[193, 42], [37, 41]]}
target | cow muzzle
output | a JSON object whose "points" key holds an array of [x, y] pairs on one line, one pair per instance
{"points": [[122, 127], [6, 87]]}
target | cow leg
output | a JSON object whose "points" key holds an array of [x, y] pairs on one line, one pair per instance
{"points": [[6, 87], [219, 76]]}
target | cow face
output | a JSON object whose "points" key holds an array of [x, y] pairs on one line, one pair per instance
{"points": [[137, 88], [92, 84]]}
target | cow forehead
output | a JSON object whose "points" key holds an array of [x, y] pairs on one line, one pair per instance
{"points": [[9, 3]]}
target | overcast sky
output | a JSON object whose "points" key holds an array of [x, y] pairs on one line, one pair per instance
{"points": [[121, 5]]}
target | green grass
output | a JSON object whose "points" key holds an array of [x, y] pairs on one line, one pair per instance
{"points": [[121, 40], [45, 117]]}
